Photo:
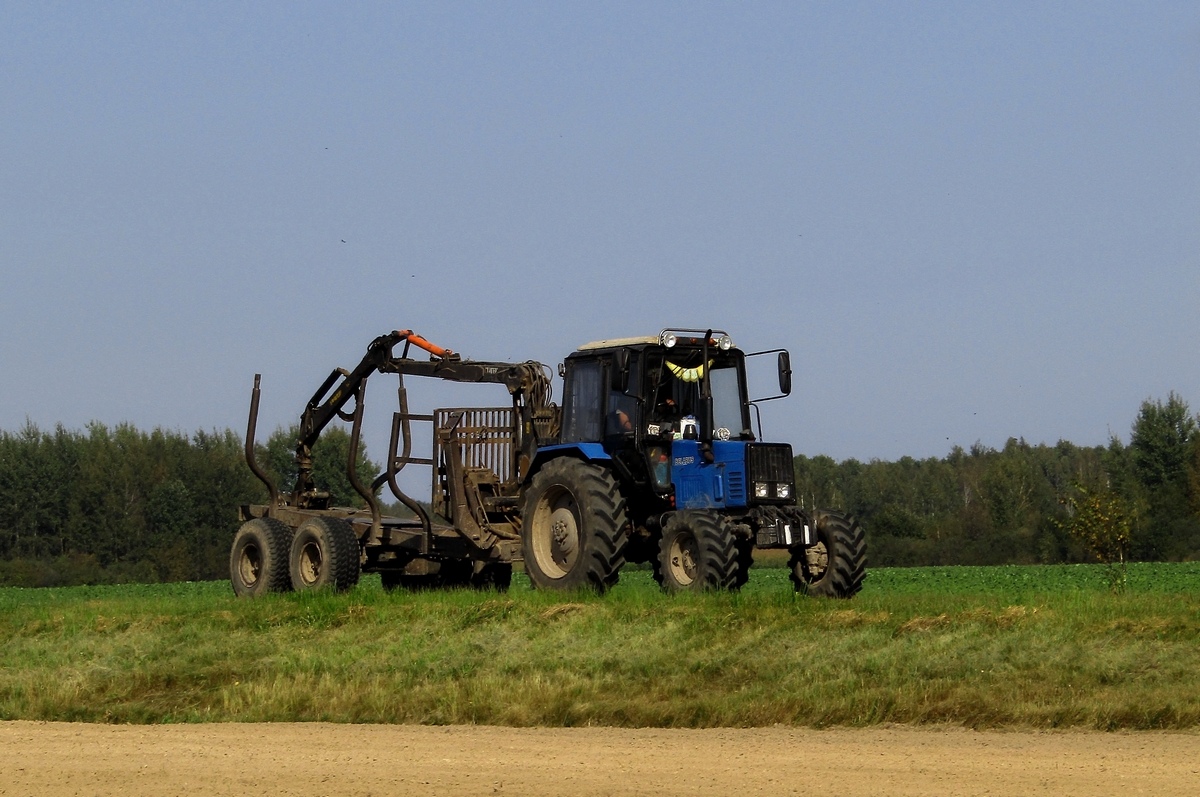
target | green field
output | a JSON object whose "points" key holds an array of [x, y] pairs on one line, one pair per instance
{"points": [[1045, 647]]}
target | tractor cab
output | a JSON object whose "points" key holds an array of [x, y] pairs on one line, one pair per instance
{"points": [[672, 414]]}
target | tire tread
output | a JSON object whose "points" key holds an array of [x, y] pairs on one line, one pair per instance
{"points": [[274, 538], [847, 557], [716, 545], [602, 524]]}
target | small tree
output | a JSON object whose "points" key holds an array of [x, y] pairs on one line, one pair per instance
{"points": [[1102, 522]]}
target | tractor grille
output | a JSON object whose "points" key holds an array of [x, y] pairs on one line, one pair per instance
{"points": [[770, 462]]}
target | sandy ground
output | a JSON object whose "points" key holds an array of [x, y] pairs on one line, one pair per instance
{"points": [[53, 759]]}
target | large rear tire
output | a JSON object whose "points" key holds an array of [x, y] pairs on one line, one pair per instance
{"points": [[836, 564], [324, 553], [573, 532], [258, 559], [697, 553]]}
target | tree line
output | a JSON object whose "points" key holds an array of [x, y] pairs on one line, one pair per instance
{"points": [[107, 505], [1015, 505], [113, 505]]}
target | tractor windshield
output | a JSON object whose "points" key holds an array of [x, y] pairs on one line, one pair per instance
{"points": [[727, 401], [675, 387]]}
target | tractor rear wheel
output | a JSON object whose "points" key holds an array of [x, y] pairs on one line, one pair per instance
{"points": [[324, 553], [697, 552], [573, 531], [258, 560], [836, 564]]}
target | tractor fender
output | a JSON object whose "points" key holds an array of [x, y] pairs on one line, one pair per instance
{"points": [[585, 452]]}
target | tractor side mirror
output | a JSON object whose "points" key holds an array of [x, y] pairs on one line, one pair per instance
{"points": [[620, 370], [785, 373]]}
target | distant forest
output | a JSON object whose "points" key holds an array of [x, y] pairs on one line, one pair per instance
{"points": [[108, 505], [122, 505]]}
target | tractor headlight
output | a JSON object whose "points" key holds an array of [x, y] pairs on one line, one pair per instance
{"points": [[762, 490], [668, 339], [725, 343], [783, 491]]}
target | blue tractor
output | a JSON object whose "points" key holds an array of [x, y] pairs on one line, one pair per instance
{"points": [[651, 457], [656, 460]]}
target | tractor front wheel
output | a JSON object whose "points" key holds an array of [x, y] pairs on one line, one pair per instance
{"points": [[697, 552], [573, 527], [745, 559], [835, 565]]}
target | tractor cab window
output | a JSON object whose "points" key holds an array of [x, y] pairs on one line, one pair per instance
{"points": [[670, 397], [624, 415], [583, 419]]}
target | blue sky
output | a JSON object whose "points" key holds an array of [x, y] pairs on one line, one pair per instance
{"points": [[967, 221]]}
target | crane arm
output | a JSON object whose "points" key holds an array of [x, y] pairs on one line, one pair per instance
{"points": [[526, 382]]}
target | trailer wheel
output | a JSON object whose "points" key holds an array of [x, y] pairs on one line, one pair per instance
{"points": [[836, 564], [574, 527], [258, 559], [697, 552], [324, 553]]}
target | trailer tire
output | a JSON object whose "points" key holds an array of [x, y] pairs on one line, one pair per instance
{"points": [[573, 533], [258, 558], [324, 553], [697, 553], [836, 565]]}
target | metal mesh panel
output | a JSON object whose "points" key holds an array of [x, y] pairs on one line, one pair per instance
{"points": [[485, 433]]}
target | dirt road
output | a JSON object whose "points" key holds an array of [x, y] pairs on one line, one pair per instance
{"points": [[56, 759]]}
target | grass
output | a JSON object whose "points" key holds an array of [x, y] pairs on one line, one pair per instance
{"points": [[1040, 647]]}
